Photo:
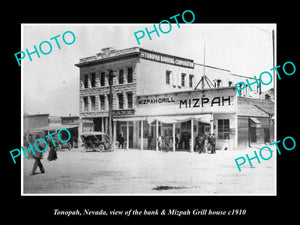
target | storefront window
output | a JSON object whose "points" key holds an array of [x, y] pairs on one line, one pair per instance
{"points": [[223, 129]]}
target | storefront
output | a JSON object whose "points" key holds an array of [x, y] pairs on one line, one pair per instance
{"points": [[181, 116]]}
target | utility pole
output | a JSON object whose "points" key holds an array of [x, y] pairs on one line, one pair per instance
{"points": [[203, 77], [110, 108]]}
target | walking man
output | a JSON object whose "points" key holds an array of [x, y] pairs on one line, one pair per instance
{"points": [[213, 144], [38, 156]]}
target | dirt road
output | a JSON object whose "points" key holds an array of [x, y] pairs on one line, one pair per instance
{"points": [[150, 172]]}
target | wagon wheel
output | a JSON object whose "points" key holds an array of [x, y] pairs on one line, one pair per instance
{"points": [[101, 148]]}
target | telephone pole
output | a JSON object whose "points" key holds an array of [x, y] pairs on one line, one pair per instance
{"points": [[110, 108]]}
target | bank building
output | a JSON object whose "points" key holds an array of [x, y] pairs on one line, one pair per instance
{"points": [[156, 94]]}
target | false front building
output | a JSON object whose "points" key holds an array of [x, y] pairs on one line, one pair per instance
{"points": [[156, 94]]}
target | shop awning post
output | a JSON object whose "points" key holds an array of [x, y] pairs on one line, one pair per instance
{"points": [[156, 138], [127, 135], [192, 136], [142, 134], [174, 144]]}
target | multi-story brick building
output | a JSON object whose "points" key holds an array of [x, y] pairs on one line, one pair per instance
{"points": [[143, 78]]}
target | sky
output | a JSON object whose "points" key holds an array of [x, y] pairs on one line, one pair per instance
{"points": [[50, 84]]}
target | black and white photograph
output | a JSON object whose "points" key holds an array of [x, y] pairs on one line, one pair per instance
{"points": [[145, 113], [165, 114]]}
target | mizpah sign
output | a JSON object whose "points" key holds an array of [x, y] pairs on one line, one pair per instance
{"points": [[195, 101]]}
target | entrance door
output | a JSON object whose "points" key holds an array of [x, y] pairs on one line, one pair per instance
{"points": [[124, 131], [267, 135], [253, 134]]}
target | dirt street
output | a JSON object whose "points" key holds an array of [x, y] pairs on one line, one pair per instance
{"points": [[150, 172]]}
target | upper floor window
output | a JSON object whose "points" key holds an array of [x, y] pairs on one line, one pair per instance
{"points": [[86, 81], [120, 97], [129, 100], [183, 79], [93, 82], [102, 78], [93, 103], [121, 76], [191, 80], [102, 102], [85, 104], [168, 77], [130, 75]]}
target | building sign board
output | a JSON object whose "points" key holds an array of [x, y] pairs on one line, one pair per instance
{"points": [[208, 101], [159, 57]]}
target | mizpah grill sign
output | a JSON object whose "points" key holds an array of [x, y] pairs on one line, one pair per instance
{"points": [[188, 102]]}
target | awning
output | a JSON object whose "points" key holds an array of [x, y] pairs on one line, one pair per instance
{"points": [[52, 127], [130, 119], [204, 118], [255, 120]]}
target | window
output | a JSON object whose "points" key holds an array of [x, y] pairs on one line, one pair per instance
{"points": [[102, 102], [129, 100], [93, 79], [223, 129], [191, 79], [93, 101], [86, 81], [102, 79], [168, 77], [121, 76], [183, 79], [120, 97], [85, 104], [129, 75]]}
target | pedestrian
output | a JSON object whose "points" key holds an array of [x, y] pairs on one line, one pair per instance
{"points": [[213, 143], [159, 142], [52, 152], [178, 140], [38, 156], [149, 142], [197, 143], [121, 140], [167, 143], [201, 144]]}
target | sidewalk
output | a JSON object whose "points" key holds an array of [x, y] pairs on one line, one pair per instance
{"points": [[150, 172]]}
